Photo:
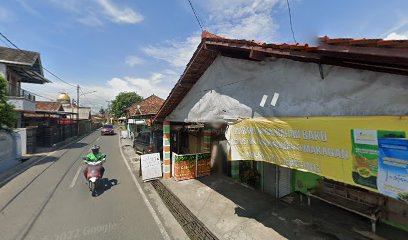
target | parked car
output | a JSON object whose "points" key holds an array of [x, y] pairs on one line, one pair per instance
{"points": [[149, 142], [107, 129]]}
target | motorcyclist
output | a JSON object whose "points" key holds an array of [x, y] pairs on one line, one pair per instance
{"points": [[94, 156]]}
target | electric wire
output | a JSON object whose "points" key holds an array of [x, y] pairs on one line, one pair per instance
{"points": [[31, 92], [196, 15], [14, 45], [290, 21]]}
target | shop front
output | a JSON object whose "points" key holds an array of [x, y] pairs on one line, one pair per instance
{"points": [[295, 121]]}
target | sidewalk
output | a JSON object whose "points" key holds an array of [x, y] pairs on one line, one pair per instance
{"points": [[233, 211]]}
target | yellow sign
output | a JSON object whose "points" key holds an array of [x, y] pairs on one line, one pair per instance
{"points": [[345, 149]]}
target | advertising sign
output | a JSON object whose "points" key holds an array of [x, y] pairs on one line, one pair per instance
{"points": [[189, 166], [345, 149], [151, 166]]}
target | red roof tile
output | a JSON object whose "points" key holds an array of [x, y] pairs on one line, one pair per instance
{"points": [[48, 106], [365, 42], [149, 106]]}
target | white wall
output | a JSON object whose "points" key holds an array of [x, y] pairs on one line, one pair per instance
{"points": [[22, 132], [3, 70], [234, 88], [22, 104], [84, 113], [10, 150]]}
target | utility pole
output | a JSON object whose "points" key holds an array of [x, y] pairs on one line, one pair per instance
{"points": [[77, 103], [108, 112]]}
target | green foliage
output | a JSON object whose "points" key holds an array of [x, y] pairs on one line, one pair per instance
{"points": [[204, 156], [182, 158], [123, 101], [7, 115], [102, 111]]}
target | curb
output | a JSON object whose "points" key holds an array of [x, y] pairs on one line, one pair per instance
{"points": [[11, 173]]}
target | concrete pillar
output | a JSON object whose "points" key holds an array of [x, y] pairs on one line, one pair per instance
{"points": [[207, 141], [166, 151]]}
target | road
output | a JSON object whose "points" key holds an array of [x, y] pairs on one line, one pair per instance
{"points": [[51, 200]]}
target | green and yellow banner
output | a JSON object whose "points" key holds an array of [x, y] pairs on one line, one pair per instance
{"points": [[345, 149]]}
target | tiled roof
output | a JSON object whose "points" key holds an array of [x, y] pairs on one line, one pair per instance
{"points": [[149, 106], [356, 42], [48, 106], [390, 56], [365, 42]]}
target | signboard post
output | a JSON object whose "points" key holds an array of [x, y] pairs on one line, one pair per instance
{"points": [[150, 166]]}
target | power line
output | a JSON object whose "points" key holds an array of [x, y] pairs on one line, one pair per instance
{"points": [[31, 92], [196, 15], [290, 20], [8, 40], [5, 43]]}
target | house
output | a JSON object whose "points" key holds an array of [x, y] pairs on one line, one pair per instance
{"points": [[84, 113], [17, 67], [21, 66], [293, 117], [53, 125], [140, 115]]}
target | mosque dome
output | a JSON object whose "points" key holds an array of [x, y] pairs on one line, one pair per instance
{"points": [[63, 98]]}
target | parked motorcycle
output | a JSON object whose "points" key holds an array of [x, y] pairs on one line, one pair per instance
{"points": [[94, 175]]}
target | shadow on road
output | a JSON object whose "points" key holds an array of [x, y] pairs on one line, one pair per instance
{"points": [[76, 145], [105, 185]]}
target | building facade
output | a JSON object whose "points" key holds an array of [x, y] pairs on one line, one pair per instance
{"points": [[287, 118]]}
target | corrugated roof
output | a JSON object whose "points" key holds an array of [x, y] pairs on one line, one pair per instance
{"points": [[26, 64], [18, 56], [149, 106], [390, 56]]}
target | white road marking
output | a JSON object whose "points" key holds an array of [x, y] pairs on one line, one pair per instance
{"points": [[75, 178], [146, 201], [99, 138]]}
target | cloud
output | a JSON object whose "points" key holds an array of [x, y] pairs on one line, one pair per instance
{"points": [[91, 20], [176, 53], [120, 15], [242, 19], [28, 8], [157, 83], [401, 25], [133, 61], [396, 36], [5, 14], [94, 12]]}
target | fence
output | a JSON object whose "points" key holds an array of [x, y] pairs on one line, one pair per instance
{"points": [[47, 136]]}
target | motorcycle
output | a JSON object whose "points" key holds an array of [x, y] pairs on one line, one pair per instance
{"points": [[94, 175]]}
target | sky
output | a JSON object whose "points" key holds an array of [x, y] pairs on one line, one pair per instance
{"points": [[111, 46]]}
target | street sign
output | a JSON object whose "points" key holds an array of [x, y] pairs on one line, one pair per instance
{"points": [[150, 166]]}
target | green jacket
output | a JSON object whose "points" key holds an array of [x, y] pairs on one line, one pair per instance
{"points": [[94, 158]]}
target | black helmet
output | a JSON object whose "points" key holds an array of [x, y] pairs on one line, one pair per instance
{"points": [[95, 149]]}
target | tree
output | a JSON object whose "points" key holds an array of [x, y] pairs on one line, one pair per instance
{"points": [[122, 101], [7, 115], [102, 111]]}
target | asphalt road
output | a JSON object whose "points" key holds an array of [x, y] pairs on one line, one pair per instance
{"points": [[51, 200]]}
